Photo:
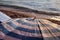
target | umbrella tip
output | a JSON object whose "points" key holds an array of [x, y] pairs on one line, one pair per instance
{"points": [[33, 18]]}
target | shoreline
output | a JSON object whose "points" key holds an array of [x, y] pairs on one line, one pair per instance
{"points": [[25, 12], [22, 12]]}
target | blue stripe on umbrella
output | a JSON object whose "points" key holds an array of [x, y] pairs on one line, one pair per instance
{"points": [[25, 23], [29, 19], [6, 32], [23, 29], [3, 29], [24, 37]]}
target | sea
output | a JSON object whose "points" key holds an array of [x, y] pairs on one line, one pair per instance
{"points": [[41, 5]]}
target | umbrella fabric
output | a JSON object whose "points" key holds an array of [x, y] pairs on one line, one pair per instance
{"points": [[4, 17], [50, 30], [29, 29], [20, 29]]}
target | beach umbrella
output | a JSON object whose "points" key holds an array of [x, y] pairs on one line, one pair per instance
{"points": [[4, 17], [29, 29], [20, 29]]}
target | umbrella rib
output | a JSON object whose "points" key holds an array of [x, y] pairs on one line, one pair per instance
{"points": [[39, 28]]}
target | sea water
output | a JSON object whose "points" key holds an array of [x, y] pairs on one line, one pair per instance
{"points": [[49, 5]]}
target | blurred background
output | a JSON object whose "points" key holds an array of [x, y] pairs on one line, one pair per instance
{"points": [[44, 5]]}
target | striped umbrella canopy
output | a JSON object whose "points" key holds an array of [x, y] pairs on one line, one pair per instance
{"points": [[29, 29]]}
